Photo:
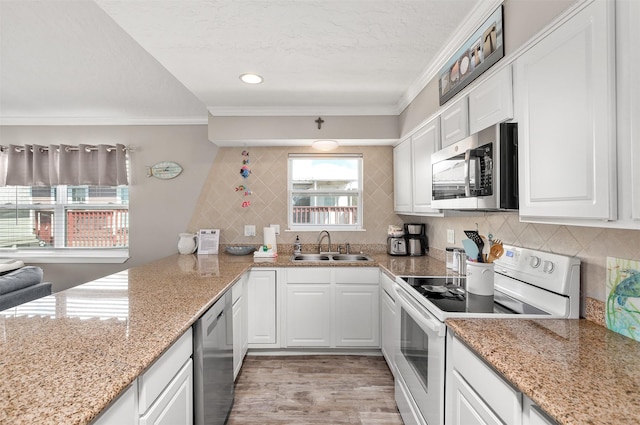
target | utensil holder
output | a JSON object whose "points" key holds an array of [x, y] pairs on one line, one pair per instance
{"points": [[480, 278]]}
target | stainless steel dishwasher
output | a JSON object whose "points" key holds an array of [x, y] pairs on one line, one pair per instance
{"points": [[213, 364]]}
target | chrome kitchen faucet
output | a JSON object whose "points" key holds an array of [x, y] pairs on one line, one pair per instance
{"points": [[320, 238]]}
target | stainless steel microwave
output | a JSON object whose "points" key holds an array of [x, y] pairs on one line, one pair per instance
{"points": [[479, 172]]}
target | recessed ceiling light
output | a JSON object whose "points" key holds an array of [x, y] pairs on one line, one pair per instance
{"points": [[251, 78], [324, 145]]}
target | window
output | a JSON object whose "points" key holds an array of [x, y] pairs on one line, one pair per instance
{"points": [[64, 217], [325, 192]]}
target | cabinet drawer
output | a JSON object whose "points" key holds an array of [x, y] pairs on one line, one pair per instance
{"points": [[505, 401], [366, 275], [154, 380], [309, 275]]}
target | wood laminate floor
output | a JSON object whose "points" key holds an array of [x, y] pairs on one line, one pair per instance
{"points": [[300, 390]]}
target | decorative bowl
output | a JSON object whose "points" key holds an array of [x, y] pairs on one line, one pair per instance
{"points": [[240, 249]]}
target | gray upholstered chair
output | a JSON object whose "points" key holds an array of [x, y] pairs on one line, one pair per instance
{"points": [[22, 285]]}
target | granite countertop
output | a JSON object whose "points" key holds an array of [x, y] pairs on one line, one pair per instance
{"points": [[577, 371], [65, 357]]}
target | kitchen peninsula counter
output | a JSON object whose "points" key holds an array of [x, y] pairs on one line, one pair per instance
{"points": [[64, 358], [577, 371]]}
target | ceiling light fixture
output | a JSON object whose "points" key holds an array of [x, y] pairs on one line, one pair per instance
{"points": [[251, 78], [324, 145]]}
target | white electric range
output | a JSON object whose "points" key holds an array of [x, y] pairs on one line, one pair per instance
{"points": [[527, 284]]}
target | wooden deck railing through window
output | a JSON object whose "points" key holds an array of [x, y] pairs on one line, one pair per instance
{"points": [[325, 215], [97, 229]]}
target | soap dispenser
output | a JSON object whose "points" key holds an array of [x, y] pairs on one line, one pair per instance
{"points": [[297, 246]]}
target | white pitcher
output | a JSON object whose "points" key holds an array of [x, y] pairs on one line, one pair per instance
{"points": [[187, 243]]}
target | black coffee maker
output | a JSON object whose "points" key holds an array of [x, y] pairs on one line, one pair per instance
{"points": [[416, 236]]}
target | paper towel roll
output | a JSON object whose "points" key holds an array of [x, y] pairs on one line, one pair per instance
{"points": [[270, 238]]}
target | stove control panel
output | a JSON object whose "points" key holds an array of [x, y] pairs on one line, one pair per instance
{"points": [[554, 272]]}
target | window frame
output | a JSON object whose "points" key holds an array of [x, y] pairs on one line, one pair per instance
{"points": [[61, 254], [359, 194]]}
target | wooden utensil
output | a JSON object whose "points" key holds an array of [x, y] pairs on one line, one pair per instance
{"points": [[496, 251]]}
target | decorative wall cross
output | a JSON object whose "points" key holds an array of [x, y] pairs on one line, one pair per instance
{"points": [[319, 121]]}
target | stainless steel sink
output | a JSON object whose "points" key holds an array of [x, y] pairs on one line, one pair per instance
{"points": [[351, 257], [310, 257], [331, 257]]}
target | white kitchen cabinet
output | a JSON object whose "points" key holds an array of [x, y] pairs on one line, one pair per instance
{"points": [[565, 108], [412, 170], [175, 403], [328, 307], [476, 394], [533, 415], [166, 389], [389, 326], [467, 406], [262, 309], [402, 177], [240, 318], [628, 111], [491, 102], [424, 143], [308, 315], [357, 315], [454, 122], [123, 411]]}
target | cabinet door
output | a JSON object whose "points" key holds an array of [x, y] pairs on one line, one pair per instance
{"points": [[565, 108], [124, 411], [357, 316], [388, 329], [491, 102], [308, 317], [175, 404], [424, 142], [402, 177], [261, 311], [468, 407], [237, 337], [454, 122]]}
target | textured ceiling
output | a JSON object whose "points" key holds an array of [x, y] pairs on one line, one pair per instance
{"points": [[163, 59]]}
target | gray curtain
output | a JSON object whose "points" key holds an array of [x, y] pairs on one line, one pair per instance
{"points": [[35, 165]]}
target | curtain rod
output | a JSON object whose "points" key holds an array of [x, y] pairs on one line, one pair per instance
{"points": [[68, 148]]}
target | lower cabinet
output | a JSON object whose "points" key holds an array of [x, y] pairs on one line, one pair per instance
{"points": [[162, 395], [240, 323], [175, 403], [262, 309], [327, 307], [389, 326]]}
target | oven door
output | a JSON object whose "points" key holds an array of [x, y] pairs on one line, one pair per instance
{"points": [[420, 360]]}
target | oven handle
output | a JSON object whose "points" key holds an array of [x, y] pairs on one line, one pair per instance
{"points": [[467, 171], [423, 317]]}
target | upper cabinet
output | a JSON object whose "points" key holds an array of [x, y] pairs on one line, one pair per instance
{"points": [[412, 170], [565, 108], [491, 102], [402, 177], [454, 121]]}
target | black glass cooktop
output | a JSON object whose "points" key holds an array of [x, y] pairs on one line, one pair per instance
{"points": [[448, 294]]}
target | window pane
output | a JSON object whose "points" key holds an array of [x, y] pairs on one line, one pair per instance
{"points": [[16, 195], [325, 174], [26, 227], [97, 195], [327, 210]]}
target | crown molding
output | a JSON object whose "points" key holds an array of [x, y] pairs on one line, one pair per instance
{"points": [[472, 22], [301, 142], [295, 111], [79, 121]]}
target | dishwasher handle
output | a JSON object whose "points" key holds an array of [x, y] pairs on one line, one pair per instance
{"points": [[213, 324]]}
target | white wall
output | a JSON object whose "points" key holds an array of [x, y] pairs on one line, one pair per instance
{"points": [[158, 210]]}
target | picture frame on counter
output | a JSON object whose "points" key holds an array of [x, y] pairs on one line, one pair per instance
{"points": [[481, 51]]}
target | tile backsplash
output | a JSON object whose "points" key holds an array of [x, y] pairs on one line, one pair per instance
{"points": [[591, 244], [220, 206]]}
